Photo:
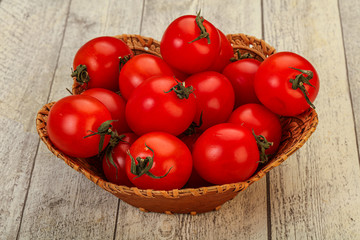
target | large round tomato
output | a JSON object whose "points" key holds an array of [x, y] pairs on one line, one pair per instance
{"points": [[226, 53], [73, 118], [226, 153], [214, 98], [241, 75], [140, 68], [115, 104], [101, 58], [167, 160], [154, 106], [282, 86], [180, 49], [260, 119], [118, 174]]}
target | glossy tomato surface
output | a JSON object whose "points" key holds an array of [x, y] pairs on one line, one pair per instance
{"points": [[178, 50], [152, 107], [171, 157], [214, 98], [140, 68], [115, 104], [226, 53], [241, 75], [71, 119], [101, 57], [274, 89], [260, 119], [118, 174], [226, 153]]}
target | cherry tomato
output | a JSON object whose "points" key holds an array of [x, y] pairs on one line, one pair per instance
{"points": [[73, 118], [260, 119], [169, 160], [140, 68], [118, 174], [114, 103], [241, 75], [101, 58], [226, 53], [195, 181], [226, 153], [214, 98], [180, 49], [281, 85], [154, 106]]}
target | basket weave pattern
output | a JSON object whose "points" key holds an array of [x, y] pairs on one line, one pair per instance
{"points": [[296, 131]]}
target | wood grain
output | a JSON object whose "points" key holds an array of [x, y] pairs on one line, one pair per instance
{"points": [[315, 194], [30, 35], [350, 16], [63, 204]]}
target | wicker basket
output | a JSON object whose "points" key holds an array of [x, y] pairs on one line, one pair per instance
{"points": [[296, 131]]}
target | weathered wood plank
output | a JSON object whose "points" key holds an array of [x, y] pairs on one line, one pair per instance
{"points": [[315, 193], [350, 16], [240, 218], [30, 40], [63, 204]]}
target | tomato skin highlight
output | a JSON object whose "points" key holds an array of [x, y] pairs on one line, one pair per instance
{"points": [[274, 89], [260, 119], [151, 109], [101, 57], [114, 103], [71, 119], [214, 98], [226, 153], [241, 74], [140, 68], [187, 57], [169, 153], [119, 153]]}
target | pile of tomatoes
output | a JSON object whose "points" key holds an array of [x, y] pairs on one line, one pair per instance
{"points": [[195, 117]]}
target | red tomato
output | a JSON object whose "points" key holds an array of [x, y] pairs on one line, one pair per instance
{"points": [[226, 53], [179, 49], [152, 108], [260, 119], [171, 161], [241, 75], [115, 104], [118, 174], [214, 98], [71, 119], [140, 68], [226, 153], [195, 181], [101, 58], [274, 87]]}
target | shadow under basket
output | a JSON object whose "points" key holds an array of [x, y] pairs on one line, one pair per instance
{"points": [[295, 132]]}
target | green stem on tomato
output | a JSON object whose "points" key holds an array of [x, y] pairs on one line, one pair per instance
{"points": [[299, 81]]}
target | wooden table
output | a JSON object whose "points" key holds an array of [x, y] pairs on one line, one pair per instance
{"points": [[315, 194]]}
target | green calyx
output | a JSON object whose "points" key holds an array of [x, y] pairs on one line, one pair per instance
{"points": [[103, 130], [203, 33], [81, 74], [241, 56], [299, 81], [123, 60], [263, 144], [144, 165], [182, 91]]}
